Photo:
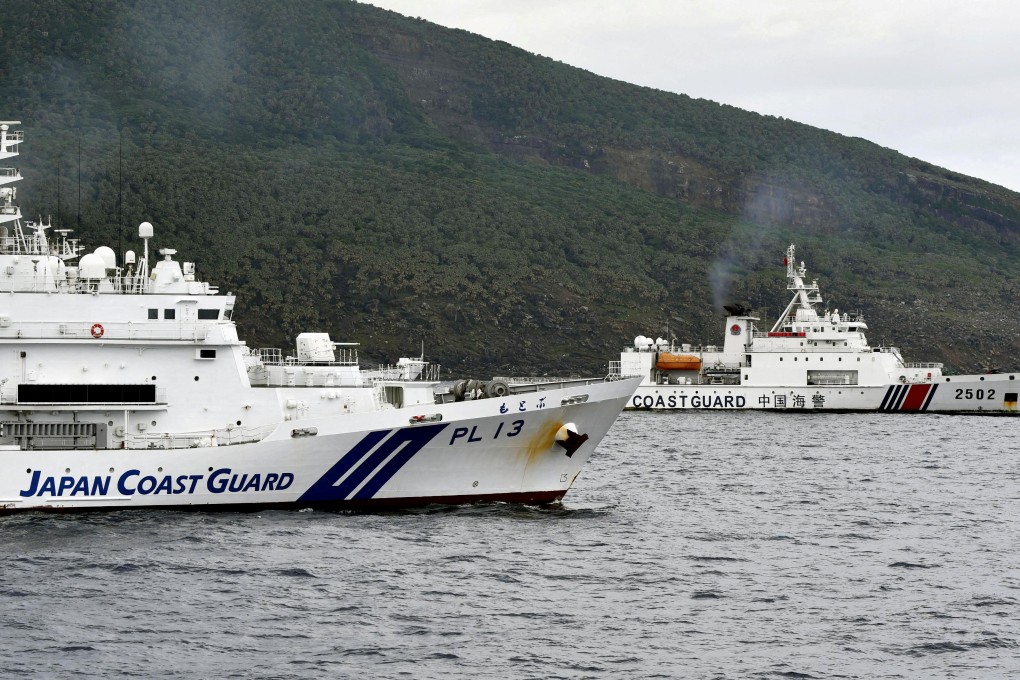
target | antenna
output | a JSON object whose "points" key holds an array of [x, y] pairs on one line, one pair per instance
{"points": [[145, 233], [78, 221], [120, 195], [59, 172]]}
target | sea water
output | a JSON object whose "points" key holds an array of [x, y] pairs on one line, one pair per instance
{"points": [[694, 545]]}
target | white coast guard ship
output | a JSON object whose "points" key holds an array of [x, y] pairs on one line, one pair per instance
{"points": [[808, 361], [125, 387]]}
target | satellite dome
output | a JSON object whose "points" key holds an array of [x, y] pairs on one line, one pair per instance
{"points": [[92, 266], [145, 230], [109, 257]]}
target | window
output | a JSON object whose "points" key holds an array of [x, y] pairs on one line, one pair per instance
{"points": [[85, 394], [153, 313], [169, 313], [206, 354], [208, 314]]}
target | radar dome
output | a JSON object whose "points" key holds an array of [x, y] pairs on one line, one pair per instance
{"points": [[92, 266], [145, 230], [109, 257]]}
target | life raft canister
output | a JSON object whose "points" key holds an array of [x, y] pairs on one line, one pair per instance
{"points": [[666, 361], [97, 330]]}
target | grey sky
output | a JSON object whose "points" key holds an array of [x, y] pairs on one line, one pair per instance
{"points": [[933, 79]]}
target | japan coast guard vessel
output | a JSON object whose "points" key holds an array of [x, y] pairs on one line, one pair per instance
{"points": [[810, 360], [129, 388]]}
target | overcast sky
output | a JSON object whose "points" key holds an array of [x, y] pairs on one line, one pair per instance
{"points": [[934, 79]]}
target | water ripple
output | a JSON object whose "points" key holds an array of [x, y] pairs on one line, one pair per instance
{"points": [[693, 545]]}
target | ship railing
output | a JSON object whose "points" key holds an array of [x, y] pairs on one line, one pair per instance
{"points": [[9, 172], [924, 365], [273, 356], [14, 136], [521, 384], [44, 280], [713, 379], [528, 380], [427, 373], [835, 380], [269, 356], [615, 370], [227, 436], [100, 330]]}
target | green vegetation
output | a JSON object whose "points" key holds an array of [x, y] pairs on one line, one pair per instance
{"points": [[345, 169]]}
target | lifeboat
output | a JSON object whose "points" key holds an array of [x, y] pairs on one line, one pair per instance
{"points": [[677, 362]]}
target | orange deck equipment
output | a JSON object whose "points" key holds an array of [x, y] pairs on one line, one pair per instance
{"points": [[677, 362]]}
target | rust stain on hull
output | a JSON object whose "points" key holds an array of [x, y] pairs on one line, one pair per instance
{"points": [[542, 441]]}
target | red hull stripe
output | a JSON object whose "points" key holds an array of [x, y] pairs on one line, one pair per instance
{"points": [[915, 397]]}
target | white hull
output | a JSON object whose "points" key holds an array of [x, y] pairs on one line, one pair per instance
{"points": [[373, 460], [992, 393]]}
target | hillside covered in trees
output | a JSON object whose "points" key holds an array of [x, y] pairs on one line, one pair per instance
{"points": [[393, 182]]}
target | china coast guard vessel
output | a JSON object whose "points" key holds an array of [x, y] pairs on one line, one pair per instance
{"points": [[127, 387], [810, 360]]}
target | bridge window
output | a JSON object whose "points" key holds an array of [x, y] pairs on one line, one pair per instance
{"points": [[153, 313], [208, 314], [86, 394], [169, 313]]}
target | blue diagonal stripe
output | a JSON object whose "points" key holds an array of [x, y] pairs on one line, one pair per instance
{"points": [[398, 461], [888, 393], [324, 489], [412, 439]]}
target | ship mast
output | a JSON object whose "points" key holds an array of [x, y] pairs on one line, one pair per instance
{"points": [[801, 307], [9, 212]]}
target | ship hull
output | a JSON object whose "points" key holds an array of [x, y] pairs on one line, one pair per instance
{"points": [[993, 393], [485, 450]]}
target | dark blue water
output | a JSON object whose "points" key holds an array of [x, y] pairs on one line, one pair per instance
{"points": [[705, 545]]}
